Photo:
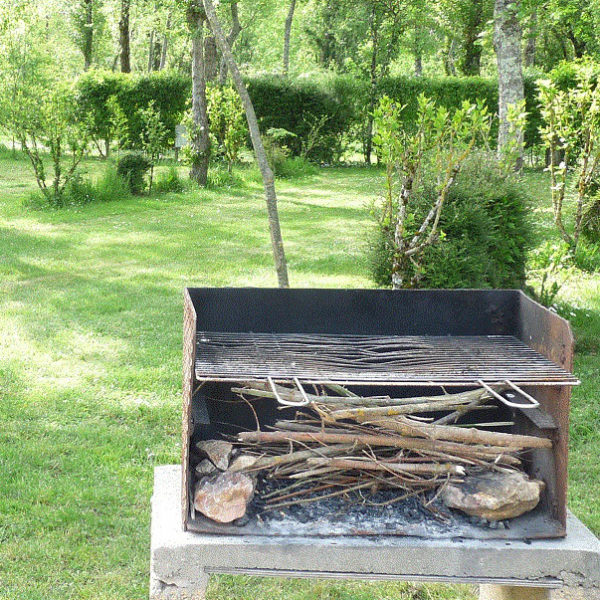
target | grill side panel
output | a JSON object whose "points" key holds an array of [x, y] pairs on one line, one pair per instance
{"points": [[189, 358], [551, 336]]}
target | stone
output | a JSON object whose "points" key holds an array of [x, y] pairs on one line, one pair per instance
{"points": [[242, 462], [217, 451], [224, 497], [494, 496], [205, 467]]}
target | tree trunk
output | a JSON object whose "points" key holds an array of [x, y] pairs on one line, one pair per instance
{"points": [[88, 34], [200, 138], [418, 65], [261, 156], [449, 66], [231, 38], [507, 43], [368, 138], [286, 37], [210, 58], [125, 53], [151, 52], [165, 45], [530, 46], [471, 58]]}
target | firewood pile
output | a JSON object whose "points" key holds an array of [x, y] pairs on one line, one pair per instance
{"points": [[341, 444]]}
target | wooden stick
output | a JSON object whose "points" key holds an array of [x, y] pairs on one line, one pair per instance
{"points": [[371, 465], [370, 440], [470, 435]]}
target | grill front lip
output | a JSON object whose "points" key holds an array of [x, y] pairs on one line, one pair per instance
{"points": [[373, 360]]}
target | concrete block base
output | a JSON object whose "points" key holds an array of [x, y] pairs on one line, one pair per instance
{"points": [[182, 561], [502, 592]]}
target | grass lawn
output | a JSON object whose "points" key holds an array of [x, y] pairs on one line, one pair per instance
{"points": [[90, 367]]}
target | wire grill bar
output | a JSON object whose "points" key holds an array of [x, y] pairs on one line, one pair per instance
{"points": [[405, 360]]}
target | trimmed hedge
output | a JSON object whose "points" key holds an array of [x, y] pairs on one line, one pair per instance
{"points": [[336, 104], [170, 92], [302, 106], [452, 91]]}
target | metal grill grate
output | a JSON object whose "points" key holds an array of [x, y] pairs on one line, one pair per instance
{"points": [[359, 359]]}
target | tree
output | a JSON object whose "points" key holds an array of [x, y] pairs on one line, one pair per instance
{"points": [[507, 43], [200, 134], [124, 41], [259, 149], [154, 136], [286, 37]]}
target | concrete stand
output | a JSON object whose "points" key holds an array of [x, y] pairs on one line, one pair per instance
{"points": [[181, 562], [503, 592]]}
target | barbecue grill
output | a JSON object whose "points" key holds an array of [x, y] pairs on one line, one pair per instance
{"points": [[378, 340]]}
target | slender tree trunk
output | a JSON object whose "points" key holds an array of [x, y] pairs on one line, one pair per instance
{"points": [[88, 34], [418, 64], [151, 52], [211, 58], [507, 43], [368, 141], [261, 156], [200, 137], [236, 28], [449, 66], [471, 56], [165, 45], [286, 37], [530, 46], [124, 39]]}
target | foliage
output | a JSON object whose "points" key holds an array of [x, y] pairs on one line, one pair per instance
{"points": [[548, 266], [46, 119], [486, 232], [154, 136], [591, 220], [440, 141], [115, 103], [169, 181], [227, 122], [571, 130], [132, 167], [297, 106], [587, 256]]}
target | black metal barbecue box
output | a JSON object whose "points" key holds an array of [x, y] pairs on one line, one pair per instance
{"points": [[355, 412]]}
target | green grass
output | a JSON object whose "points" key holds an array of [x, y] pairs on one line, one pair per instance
{"points": [[90, 367]]}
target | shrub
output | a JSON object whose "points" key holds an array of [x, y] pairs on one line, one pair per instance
{"points": [[169, 181], [485, 227], [132, 167], [227, 123], [109, 187], [587, 256], [296, 166], [591, 220]]}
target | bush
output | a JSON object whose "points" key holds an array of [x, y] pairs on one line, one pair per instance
{"points": [[587, 256], [100, 94], [169, 181], [296, 166], [132, 167], [591, 220], [485, 229]]}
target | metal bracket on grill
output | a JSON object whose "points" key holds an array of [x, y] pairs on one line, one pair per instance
{"points": [[533, 403], [283, 402]]}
